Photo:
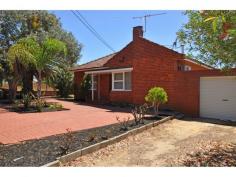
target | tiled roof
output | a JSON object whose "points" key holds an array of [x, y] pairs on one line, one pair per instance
{"points": [[100, 62]]}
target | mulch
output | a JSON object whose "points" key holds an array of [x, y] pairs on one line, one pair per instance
{"points": [[213, 154]]}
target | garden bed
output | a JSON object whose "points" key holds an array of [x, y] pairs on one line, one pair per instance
{"points": [[50, 107], [41, 151]]}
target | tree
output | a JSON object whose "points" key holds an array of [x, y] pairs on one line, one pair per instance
{"points": [[15, 25], [45, 56], [62, 79], [210, 36], [156, 96], [72, 45]]}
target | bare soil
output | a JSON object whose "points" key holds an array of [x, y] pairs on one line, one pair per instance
{"points": [[174, 143]]}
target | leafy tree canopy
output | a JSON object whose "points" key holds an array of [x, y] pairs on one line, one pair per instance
{"points": [[210, 36], [15, 25]]}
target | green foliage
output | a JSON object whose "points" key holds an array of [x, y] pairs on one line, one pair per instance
{"points": [[55, 106], [156, 96], [39, 104], [26, 100], [72, 45], [62, 79], [210, 36], [43, 56], [42, 26], [85, 87]]}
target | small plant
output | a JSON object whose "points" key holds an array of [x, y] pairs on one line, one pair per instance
{"points": [[91, 137], [156, 96], [104, 137], [139, 113], [67, 141], [123, 123], [57, 106], [39, 104], [26, 100], [16, 105]]}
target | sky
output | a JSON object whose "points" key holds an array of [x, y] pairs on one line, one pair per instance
{"points": [[116, 28]]}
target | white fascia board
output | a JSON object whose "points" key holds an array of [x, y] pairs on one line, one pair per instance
{"points": [[109, 71]]}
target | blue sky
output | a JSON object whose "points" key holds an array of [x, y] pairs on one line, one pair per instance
{"points": [[116, 28]]}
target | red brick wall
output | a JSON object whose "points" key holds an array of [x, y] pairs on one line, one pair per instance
{"points": [[154, 65], [105, 87], [192, 65], [187, 96], [122, 59]]}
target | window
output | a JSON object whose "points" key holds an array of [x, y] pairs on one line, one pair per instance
{"points": [[184, 68], [121, 81], [187, 68]]}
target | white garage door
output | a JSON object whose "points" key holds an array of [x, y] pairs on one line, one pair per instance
{"points": [[218, 97]]}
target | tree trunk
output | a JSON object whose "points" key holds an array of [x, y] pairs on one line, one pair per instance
{"points": [[12, 83], [39, 83], [27, 82], [156, 109]]}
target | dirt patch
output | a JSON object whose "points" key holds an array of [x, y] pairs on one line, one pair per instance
{"points": [[168, 144]]}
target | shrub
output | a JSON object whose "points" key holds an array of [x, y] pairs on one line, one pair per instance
{"points": [[55, 106], [84, 87], [156, 96], [66, 142], [39, 104], [123, 123], [139, 113], [62, 79], [26, 100]]}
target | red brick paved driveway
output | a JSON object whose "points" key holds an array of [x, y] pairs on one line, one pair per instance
{"points": [[16, 127]]}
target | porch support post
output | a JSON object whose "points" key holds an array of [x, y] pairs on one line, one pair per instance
{"points": [[92, 88], [98, 87]]}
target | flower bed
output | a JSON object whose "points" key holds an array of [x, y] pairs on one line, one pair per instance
{"points": [[46, 107], [41, 151]]}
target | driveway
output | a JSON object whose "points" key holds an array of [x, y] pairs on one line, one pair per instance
{"points": [[164, 145], [16, 127]]}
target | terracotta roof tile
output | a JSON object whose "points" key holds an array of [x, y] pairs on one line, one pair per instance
{"points": [[100, 62]]}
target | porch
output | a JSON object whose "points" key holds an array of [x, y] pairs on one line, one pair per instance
{"points": [[109, 83]]}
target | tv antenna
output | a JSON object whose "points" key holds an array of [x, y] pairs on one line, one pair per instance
{"points": [[145, 19]]}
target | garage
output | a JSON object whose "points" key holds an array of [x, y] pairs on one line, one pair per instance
{"points": [[218, 97]]}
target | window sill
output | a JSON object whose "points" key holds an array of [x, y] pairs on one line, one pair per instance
{"points": [[121, 90]]}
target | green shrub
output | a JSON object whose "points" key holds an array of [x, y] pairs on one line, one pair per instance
{"points": [[26, 100], [62, 79], [55, 106], [39, 104], [84, 87], [156, 96]]}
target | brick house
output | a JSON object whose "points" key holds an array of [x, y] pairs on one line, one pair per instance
{"points": [[126, 76]]}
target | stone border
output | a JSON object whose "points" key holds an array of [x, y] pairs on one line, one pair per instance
{"points": [[74, 155]]}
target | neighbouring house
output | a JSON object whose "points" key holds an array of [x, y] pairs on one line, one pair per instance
{"points": [[193, 88]]}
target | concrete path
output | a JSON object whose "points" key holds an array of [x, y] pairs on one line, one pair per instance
{"points": [[16, 127]]}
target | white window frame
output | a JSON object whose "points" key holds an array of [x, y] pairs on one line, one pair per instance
{"points": [[122, 80], [187, 68]]}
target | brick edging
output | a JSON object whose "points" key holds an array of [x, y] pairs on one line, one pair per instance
{"points": [[73, 155]]}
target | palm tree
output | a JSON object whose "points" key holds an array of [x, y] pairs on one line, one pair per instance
{"points": [[45, 56]]}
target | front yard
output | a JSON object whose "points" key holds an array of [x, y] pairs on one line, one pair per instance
{"points": [[174, 143]]}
